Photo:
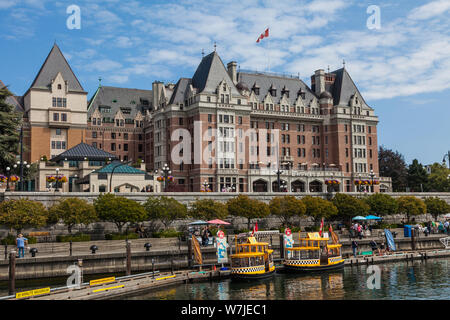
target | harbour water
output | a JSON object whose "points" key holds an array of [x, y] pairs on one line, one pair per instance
{"points": [[427, 280]]}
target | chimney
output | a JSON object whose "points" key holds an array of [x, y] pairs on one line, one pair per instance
{"points": [[232, 71], [156, 89], [319, 81]]}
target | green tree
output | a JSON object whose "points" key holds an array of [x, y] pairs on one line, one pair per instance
{"points": [[118, 210], [438, 179], [411, 206], [73, 211], [349, 207], [165, 209], [10, 122], [392, 164], [208, 209], [436, 206], [381, 204], [243, 206], [23, 213], [417, 177], [286, 208], [319, 208]]}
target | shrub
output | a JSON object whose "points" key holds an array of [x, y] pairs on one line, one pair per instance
{"points": [[119, 236], [80, 237], [169, 233], [11, 240]]}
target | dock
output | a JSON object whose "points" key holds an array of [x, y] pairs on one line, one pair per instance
{"points": [[116, 288]]}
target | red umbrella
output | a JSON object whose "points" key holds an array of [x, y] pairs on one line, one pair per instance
{"points": [[218, 221]]}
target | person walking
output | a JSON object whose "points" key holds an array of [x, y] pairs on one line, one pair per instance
{"points": [[447, 227], [20, 243], [360, 234], [374, 247], [354, 247]]}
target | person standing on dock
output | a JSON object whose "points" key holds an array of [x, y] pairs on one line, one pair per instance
{"points": [[20, 243], [354, 247]]}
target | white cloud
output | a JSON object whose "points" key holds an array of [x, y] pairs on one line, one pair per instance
{"points": [[430, 10], [103, 65]]}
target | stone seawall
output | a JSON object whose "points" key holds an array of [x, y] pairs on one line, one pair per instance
{"points": [[50, 198]]}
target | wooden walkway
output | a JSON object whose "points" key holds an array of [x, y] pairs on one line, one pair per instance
{"points": [[112, 288]]}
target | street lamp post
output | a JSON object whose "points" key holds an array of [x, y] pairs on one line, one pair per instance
{"points": [[372, 175], [166, 172], [8, 173], [112, 173], [279, 172], [205, 185], [447, 155], [56, 182]]}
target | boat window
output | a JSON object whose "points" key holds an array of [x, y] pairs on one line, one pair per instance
{"points": [[239, 262]]}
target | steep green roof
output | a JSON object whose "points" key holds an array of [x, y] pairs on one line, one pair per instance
{"points": [[126, 169]]}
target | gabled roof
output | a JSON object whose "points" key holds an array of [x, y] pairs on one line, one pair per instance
{"points": [[344, 88], [210, 72], [119, 169], [16, 101], [83, 150], [55, 63], [118, 98], [265, 82]]}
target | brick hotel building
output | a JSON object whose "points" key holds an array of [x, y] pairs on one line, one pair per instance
{"points": [[271, 127]]}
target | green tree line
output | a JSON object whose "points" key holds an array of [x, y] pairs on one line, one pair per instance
{"points": [[20, 214]]}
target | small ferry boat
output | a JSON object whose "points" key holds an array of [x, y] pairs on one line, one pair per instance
{"points": [[252, 260], [314, 253]]}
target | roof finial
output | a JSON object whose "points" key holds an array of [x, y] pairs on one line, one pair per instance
{"points": [[328, 68], [203, 53], [343, 63], [99, 82], [215, 46]]}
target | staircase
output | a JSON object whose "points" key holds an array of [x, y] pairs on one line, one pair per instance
{"points": [[445, 242]]}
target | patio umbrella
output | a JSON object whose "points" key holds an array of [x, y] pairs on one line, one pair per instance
{"points": [[447, 216], [197, 223], [359, 218], [218, 221], [372, 217]]}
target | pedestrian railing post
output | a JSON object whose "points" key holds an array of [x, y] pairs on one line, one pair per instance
{"points": [[12, 273], [153, 268], [6, 251], [128, 258], [70, 248]]}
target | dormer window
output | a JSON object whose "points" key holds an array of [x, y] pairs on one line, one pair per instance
{"points": [[59, 87], [301, 93], [256, 89], [224, 87], [285, 91], [273, 91]]}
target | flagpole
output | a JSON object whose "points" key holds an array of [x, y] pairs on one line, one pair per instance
{"points": [[268, 50]]}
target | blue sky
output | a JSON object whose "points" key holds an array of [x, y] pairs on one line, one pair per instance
{"points": [[401, 68]]}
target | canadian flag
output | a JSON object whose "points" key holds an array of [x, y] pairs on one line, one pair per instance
{"points": [[321, 228], [263, 35]]}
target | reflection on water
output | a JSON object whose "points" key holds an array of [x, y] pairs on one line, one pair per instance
{"points": [[404, 280]]}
